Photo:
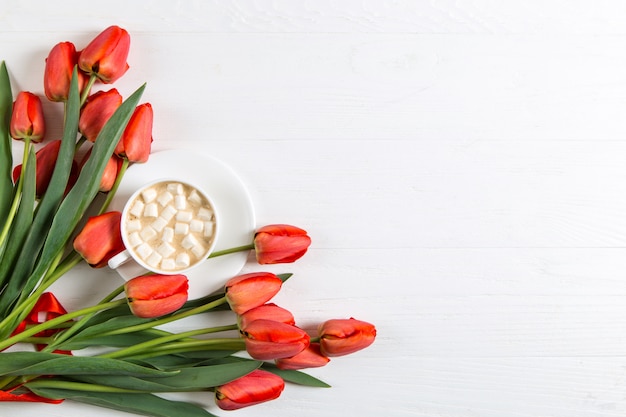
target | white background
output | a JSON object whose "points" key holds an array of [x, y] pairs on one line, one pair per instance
{"points": [[460, 166]]}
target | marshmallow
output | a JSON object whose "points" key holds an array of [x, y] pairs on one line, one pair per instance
{"points": [[151, 210], [182, 260], [166, 249], [189, 242], [154, 259], [144, 250], [159, 224], [168, 264], [148, 195], [184, 216], [180, 202], [147, 233], [133, 225], [168, 235], [196, 226], [204, 213], [168, 212], [164, 198], [208, 229], [198, 250], [134, 239], [181, 228], [137, 208], [195, 198], [175, 188]]}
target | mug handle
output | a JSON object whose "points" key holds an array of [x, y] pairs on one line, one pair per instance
{"points": [[119, 259]]}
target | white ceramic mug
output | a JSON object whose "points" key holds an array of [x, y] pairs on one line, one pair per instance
{"points": [[164, 224]]}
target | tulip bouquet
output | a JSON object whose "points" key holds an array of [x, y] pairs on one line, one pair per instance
{"points": [[54, 207]]}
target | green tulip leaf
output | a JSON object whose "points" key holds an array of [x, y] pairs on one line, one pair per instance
{"points": [[284, 277], [183, 360], [48, 205], [119, 340], [115, 323], [23, 219], [75, 204], [186, 380], [140, 404], [6, 157], [40, 363], [296, 377]]}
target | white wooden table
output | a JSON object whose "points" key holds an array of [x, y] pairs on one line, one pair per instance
{"points": [[460, 166]]}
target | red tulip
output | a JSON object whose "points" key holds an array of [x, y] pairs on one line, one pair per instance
{"points": [[280, 243], [156, 295], [110, 173], [244, 292], [310, 357], [105, 56], [268, 339], [136, 140], [46, 159], [97, 111], [58, 72], [341, 337], [266, 311], [256, 387], [27, 121], [100, 239]]}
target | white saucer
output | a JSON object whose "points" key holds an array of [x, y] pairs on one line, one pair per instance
{"points": [[236, 213]]}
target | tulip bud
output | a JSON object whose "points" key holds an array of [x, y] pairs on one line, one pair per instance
{"points": [[46, 158], [244, 292], [280, 243], [97, 111], [100, 239], [136, 140], [111, 171], [341, 337], [156, 295], [27, 121], [266, 311], [267, 339], [310, 357], [58, 72], [105, 56], [254, 388]]}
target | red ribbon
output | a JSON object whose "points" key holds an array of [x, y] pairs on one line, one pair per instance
{"points": [[49, 307], [25, 397]]}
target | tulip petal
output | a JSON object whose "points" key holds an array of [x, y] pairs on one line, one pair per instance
{"points": [[156, 295], [100, 239], [106, 54], [256, 387], [268, 339], [340, 337], [247, 291], [280, 243]]}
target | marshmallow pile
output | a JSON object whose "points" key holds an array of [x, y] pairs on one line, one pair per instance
{"points": [[170, 226]]}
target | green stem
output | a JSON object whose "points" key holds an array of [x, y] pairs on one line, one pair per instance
{"points": [[80, 142], [87, 89], [232, 250], [77, 386], [169, 319], [26, 305], [70, 261], [138, 348], [18, 195], [116, 184], [193, 345], [56, 321], [63, 336]]}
